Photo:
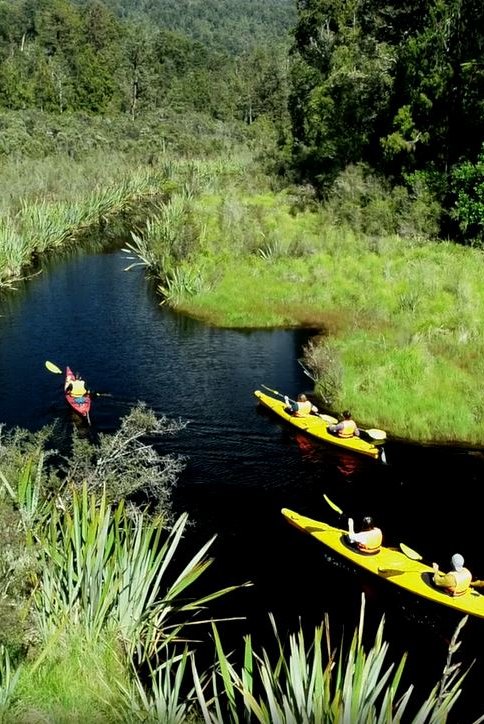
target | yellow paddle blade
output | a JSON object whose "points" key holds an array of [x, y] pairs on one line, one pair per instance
{"points": [[410, 553], [376, 434], [53, 368], [329, 419], [332, 505]]}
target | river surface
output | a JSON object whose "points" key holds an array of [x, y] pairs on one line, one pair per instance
{"points": [[243, 466]]}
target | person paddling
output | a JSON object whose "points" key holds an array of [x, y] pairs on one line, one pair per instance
{"points": [[369, 539], [77, 387], [457, 581], [346, 428], [302, 407]]}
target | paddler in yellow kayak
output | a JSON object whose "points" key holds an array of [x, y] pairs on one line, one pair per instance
{"points": [[457, 581], [369, 539], [346, 428], [302, 407]]}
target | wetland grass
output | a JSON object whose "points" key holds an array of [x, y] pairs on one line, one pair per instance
{"points": [[404, 311]]}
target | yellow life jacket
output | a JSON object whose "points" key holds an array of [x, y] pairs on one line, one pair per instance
{"points": [[78, 388], [303, 409], [349, 427], [372, 542], [463, 580]]}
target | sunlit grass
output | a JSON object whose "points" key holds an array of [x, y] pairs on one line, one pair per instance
{"points": [[229, 251], [73, 680], [309, 681], [405, 313]]}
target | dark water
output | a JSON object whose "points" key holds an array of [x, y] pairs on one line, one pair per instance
{"points": [[243, 465]]}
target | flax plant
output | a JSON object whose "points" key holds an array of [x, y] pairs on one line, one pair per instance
{"points": [[168, 695], [26, 493], [39, 223], [306, 685], [104, 567], [8, 681]]}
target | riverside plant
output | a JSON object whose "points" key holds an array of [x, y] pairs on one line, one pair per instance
{"points": [[104, 567], [27, 493], [306, 685], [9, 677], [41, 225]]}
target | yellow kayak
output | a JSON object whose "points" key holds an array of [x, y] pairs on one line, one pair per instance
{"points": [[391, 564], [317, 427]]}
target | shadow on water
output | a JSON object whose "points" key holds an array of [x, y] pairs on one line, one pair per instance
{"points": [[244, 465]]}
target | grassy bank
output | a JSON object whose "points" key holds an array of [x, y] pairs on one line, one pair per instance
{"points": [[402, 312], [63, 177]]}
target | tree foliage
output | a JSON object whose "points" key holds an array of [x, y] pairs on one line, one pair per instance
{"points": [[396, 86], [58, 56]]}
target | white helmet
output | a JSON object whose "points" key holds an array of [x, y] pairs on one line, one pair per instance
{"points": [[457, 561]]}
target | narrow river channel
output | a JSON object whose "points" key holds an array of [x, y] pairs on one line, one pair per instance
{"points": [[243, 466]]}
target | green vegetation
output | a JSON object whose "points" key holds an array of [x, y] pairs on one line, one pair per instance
{"points": [[402, 311], [311, 683], [221, 24], [108, 611], [398, 87], [261, 188]]}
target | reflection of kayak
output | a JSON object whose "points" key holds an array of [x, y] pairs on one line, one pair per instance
{"points": [[81, 405], [315, 426], [390, 564]]}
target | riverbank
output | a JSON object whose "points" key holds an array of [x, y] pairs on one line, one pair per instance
{"points": [[399, 314]]}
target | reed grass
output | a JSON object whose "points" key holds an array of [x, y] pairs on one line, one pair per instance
{"points": [[103, 568], [9, 679], [57, 202], [312, 682]]}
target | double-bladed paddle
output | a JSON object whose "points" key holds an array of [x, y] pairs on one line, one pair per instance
{"points": [[57, 371], [275, 392]]}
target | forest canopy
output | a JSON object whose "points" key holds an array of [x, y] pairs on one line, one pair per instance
{"points": [[393, 89]]}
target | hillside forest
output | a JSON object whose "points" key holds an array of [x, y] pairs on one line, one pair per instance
{"points": [[395, 87]]}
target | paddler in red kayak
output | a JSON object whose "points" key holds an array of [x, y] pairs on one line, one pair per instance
{"points": [[77, 388]]}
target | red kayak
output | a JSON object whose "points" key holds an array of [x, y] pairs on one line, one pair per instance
{"points": [[81, 405]]}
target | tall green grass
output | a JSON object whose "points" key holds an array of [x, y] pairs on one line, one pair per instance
{"points": [[309, 682], [105, 568], [72, 679], [403, 312]]}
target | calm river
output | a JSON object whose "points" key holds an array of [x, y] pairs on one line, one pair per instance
{"points": [[243, 466]]}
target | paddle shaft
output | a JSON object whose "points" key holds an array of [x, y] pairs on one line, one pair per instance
{"points": [[275, 392]]}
